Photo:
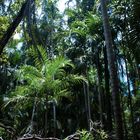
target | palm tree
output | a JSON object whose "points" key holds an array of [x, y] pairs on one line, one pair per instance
{"points": [[49, 81], [113, 72]]}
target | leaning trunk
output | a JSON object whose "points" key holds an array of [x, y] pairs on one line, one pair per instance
{"points": [[4, 40], [113, 73]]}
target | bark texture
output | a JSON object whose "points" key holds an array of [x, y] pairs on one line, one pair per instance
{"points": [[113, 72]]}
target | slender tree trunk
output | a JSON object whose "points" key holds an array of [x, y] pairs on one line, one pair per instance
{"points": [[88, 104], [87, 101], [99, 75], [130, 101], [124, 120], [4, 40], [54, 118], [113, 73], [46, 117], [32, 118], [107, 93]]}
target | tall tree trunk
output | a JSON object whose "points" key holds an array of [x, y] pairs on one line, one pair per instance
{"points": [[130, 100], [124, 120], [99, 75], [4, 40], [86, 103], [113, 73], [107, 93], [87, 100]]}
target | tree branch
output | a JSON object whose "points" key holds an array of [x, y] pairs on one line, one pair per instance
{"points": [[34, 137]]}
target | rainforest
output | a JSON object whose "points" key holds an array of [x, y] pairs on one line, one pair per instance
{"points": [[69, 69]]}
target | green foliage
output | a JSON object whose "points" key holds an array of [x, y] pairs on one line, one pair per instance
{"points": [[85, 135], [2, 133], [4, 23], [92, 75]]}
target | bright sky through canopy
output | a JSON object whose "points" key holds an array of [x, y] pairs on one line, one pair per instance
{"points": [[61, 5]]}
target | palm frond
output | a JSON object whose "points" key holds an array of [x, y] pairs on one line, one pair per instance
{"points": [[56, 66], [76, 79], [17, 100], [79, 27], [78, 24], [70, 12], [21, 91], [62, 93], [80, 32], [29, 74], [134, 31], [92, 19], [39, 57]]}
